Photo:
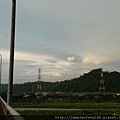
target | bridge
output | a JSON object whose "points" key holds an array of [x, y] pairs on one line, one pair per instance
{"points": [[7, 112]]}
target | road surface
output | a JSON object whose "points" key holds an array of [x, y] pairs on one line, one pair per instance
{"points": [[20, 109]]}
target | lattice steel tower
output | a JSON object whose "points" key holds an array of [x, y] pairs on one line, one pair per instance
{"points": [[102, 86], [39, 91]]}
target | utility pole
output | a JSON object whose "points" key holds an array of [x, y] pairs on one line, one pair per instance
{"points": [[0, 72], [11, 63]]}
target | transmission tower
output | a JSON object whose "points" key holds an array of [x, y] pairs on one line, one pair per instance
{"points": [[39, 91], [102, 86]]}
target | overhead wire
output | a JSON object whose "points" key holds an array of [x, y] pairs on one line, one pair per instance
{"points": [[108, 50], [105, 45], [109, 53]]}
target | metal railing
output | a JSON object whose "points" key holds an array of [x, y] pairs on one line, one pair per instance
{"points": [[9, 112]]}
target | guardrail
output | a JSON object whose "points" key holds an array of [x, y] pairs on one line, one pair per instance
{"points": [[9, 112]]}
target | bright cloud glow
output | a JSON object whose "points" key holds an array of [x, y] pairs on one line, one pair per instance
{"points": [[28, 63], [71, 58], [55, 74], [92, 59]]}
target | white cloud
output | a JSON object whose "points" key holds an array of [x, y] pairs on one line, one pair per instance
{"points": [[40, 59], [88, 59], [71, 58], [55, 74], [80, 27], [26, 64]]}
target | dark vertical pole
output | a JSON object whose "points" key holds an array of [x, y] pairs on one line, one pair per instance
{"points": [[11, 64], [0, 72]]}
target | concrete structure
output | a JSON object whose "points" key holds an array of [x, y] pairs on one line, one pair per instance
{"points": [[7, 112]]}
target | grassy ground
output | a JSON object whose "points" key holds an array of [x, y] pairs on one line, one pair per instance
{"points": [[86, 102], [108, 105], [70, 112], [63, 115], [90, 105]]}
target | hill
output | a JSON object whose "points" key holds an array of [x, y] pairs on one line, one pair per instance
{"points": [[88, 82]]}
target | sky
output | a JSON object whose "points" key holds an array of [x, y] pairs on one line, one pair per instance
{"points": [[64, 38]]}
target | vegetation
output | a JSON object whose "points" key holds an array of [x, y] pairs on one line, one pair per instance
{"points": [[75, 102], [88, 82], [85, 105], [71, 115], [108, 105], [70, 112], [69, 94], [66, 94]]}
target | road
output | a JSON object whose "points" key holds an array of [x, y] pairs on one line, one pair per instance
{"points": [[21, 109]]}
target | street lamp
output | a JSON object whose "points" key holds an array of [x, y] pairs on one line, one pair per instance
{"points": [[0, 71]]}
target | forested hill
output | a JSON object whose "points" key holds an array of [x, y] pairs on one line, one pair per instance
{"points": [[88, 82]]}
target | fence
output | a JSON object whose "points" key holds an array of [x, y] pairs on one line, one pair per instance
{"points": [[9, 112]]}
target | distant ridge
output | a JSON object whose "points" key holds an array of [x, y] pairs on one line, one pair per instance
{"points": [[89, 82]]}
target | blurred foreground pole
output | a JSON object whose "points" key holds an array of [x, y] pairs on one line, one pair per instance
{"points": [[0, 72], [11, 63]]}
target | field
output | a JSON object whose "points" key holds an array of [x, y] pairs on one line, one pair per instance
{"points": [[81, 105], [45, 115]]}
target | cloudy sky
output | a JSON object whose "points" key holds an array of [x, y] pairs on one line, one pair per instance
{"points": [[65, 38]]}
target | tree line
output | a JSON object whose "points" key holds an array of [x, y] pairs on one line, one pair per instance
{"points": [[89, 82]]}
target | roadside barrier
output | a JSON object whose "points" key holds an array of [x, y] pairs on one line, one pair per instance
{"points": [[9, 112]]}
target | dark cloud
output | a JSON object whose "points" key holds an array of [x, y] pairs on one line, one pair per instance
{"points": [[25, 61], [51, 61]]}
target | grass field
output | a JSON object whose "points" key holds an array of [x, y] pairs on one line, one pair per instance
{"points": [[63, 115], [85, 102], [70, 112], [108, 105], [89, 105]]}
